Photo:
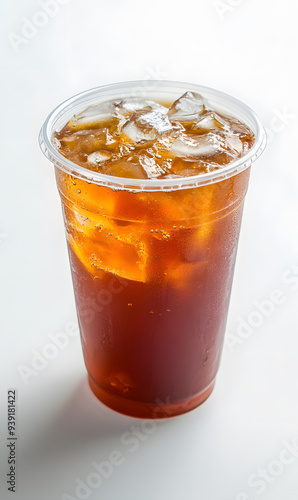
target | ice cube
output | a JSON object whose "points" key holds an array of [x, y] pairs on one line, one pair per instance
{"points": [[56, 143], [188, 107], [126, 168], [99, 157], [139, 164], [197, 146], [242, 131], [187, 168], [97, 113], [144, 126], [87, 141], [183, 276], [211, 121], [234, 143], [150, 166], [125, 149], [109, 139], [102, 245], [132, 104]]}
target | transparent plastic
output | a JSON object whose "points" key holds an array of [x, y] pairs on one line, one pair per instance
{"points": [[154, 90], [152, 264]]}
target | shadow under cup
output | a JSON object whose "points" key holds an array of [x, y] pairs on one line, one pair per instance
{"points": [[152, 264]]}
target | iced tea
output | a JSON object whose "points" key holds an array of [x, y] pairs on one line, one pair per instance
{"points": [[152, 269]]}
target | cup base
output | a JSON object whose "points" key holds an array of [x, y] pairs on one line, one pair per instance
{"points": [[157, 410]]}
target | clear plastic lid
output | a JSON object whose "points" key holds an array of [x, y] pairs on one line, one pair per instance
{"points": [[164, 91]]}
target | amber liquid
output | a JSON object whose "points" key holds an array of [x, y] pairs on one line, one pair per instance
{"points": [[152, 275]]}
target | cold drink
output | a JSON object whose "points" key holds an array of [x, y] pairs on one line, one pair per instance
{"points": [[152, 211]]}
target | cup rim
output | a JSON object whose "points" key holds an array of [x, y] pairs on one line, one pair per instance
{"points": [[237, 108]]}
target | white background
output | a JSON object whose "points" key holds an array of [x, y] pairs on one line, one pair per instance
{"points": [[248, 49]]}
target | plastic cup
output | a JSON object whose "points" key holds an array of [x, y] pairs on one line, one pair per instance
{"points": [[152, 263]]}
